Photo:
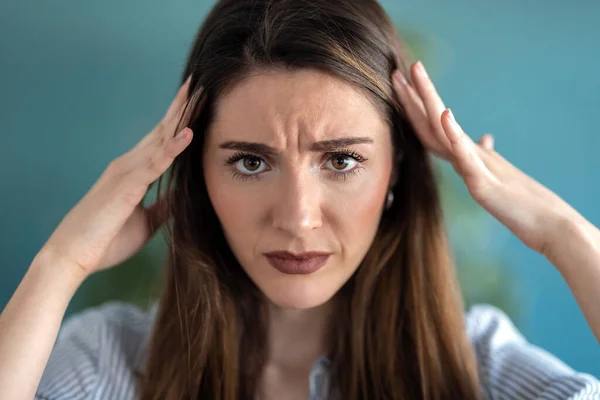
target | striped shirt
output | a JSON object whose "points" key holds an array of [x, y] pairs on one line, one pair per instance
{"points": [[99, 351]]}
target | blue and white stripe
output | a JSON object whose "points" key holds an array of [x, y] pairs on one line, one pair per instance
{"points": [[99, 352]]}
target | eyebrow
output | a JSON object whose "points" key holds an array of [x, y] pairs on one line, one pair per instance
{"points": [[324, 145]]}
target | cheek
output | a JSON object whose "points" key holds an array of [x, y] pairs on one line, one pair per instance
{"points": [[366, 203], [360, 204], [357, 212], [237, 208]]}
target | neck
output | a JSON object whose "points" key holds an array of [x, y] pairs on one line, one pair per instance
{"points": [[297, 337]]}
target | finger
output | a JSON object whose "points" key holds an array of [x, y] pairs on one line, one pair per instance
{"points": [[466, 159], [431, 100], [487, 141], [168, 127], [144, 165], [416, 113], [179, 100], [184, 116], [162, 157], [173, 114]]}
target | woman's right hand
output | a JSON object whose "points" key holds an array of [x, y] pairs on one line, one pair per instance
{"points": [[110, 224]]}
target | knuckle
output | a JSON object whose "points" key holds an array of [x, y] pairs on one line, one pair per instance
{"points": [[156, 163], [161, 126], [161, 141]]}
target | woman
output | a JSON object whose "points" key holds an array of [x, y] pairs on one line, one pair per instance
{"points": [[308, 253]]}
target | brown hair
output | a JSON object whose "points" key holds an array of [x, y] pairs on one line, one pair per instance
{"points": [[399, 326]]}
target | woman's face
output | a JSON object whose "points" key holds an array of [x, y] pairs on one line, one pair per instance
{"points": [[298, 162]]}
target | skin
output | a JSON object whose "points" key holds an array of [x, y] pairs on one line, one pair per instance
{"points": [[298, 200], [109, 224], [538, 217]]}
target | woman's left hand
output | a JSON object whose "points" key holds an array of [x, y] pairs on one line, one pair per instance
{"points": [[531, 211]]}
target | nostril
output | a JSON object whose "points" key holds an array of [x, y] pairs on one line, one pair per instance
{"points": [[296, 225]]}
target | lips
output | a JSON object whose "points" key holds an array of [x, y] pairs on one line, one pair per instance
{"points": [[297, 264]]}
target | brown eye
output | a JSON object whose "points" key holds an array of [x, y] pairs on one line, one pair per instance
{"points": [[342, 162], [252, 164]]}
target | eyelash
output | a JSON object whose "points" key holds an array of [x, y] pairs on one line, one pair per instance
{"points": [[338, 175]]}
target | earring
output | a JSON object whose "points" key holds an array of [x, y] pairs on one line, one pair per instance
{"points": [[390, 200]]}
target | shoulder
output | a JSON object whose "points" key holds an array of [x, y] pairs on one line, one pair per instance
{"points": [[97, 353], [512, 368]]}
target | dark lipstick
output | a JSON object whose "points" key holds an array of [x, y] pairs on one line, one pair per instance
{"points": [[295, 264]]}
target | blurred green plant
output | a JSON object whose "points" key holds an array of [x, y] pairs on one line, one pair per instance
{"points": [[484, 277], [484, 274]]}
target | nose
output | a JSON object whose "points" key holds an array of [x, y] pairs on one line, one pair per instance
{"points": [[297, 209]]}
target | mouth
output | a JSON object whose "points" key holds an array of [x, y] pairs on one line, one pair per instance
{"points": [[297, 264]]}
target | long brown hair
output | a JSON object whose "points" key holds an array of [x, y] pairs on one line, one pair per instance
{"points": [[398, 331]]}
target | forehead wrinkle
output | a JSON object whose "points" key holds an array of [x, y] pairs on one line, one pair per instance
{"points": [[294, 108], [313, 115]]}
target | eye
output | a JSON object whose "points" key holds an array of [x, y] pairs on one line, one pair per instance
{"points": [[342, 162], [246, 165], [250, 165], [345, 163]]}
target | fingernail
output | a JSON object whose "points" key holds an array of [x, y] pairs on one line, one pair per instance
{"points": [[452, 119], [451, 116], [182, 134], [422, 69]]}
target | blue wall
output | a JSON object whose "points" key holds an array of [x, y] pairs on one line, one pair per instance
{"points": [[528, 71], [81, 82]]}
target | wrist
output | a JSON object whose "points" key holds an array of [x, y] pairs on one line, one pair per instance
{"points": [[49, 265], [572, 237]]}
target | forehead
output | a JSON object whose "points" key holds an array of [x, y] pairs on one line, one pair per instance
{"points": [[275, 106]]}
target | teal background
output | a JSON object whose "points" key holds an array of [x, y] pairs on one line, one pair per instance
{"points": [[82, 82]]}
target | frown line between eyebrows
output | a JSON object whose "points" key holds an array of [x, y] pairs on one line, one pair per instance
{"points": [[321, 146]]}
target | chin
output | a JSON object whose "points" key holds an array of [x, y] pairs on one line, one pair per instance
{"points": [[299, 295]]}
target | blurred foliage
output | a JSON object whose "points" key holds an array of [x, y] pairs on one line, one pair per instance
{"points": [[483, 276]]}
